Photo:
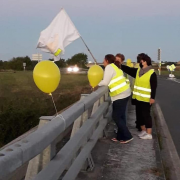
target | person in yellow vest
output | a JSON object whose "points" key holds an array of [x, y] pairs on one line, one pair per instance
{"points": [[119, 60], [143, 93], [120, 92]]}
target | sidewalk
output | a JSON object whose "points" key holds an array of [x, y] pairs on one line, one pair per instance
{"points": [[138, 160]]}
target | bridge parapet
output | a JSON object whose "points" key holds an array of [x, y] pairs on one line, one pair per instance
{"points": [[89, 115]]}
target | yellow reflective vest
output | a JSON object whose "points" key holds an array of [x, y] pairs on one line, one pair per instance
{"points": [[118, 83], [127, 80], [142, 87]]}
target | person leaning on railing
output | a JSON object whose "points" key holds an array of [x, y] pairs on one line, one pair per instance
{"points": [[120, 93], [144, 92]]}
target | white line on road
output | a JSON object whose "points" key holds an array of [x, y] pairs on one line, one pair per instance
{"points": [[175, 80]]}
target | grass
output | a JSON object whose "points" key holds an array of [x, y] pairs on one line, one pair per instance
{"points": [[166, 73], [22, 103]]}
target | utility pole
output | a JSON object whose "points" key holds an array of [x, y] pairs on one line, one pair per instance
{"points": [[159, 59]]}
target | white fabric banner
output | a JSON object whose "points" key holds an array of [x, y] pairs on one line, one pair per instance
{"points": [[59, 34]]}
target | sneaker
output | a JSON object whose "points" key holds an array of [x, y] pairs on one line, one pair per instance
{"points": [[142, 133], [127, 141], [146, 136]]}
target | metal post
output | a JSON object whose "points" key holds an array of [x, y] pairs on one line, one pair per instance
{"points": [[159, 59], [24, 66], [89, 50]]}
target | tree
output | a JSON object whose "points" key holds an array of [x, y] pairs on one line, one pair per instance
{"points": [[1, 64], [17, 63], [61, 63], [79, 59]]}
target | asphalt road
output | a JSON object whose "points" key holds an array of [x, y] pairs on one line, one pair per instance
{"points": [[168, 97]]}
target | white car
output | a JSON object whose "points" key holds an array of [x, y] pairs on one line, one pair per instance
{"points": [[72, 69]]}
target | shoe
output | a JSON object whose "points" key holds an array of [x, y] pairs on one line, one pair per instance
{"points": [[127, 141], [142, 133], [114, 140], [146, 136]]}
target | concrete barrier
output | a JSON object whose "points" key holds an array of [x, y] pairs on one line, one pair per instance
{"points": [[169, 155]]}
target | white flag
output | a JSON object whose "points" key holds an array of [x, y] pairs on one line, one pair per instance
{"points": [[59, 34]]}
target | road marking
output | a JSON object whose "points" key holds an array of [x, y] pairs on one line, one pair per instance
{"points": [[175, 80]]}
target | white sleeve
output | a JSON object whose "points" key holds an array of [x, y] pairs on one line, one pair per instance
{"points": [[108, 75]]}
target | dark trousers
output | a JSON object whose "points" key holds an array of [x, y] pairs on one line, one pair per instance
{"points": [[143, 116], [119, 116]]}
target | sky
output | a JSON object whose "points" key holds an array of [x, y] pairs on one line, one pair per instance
{"points": [[117, 26]]}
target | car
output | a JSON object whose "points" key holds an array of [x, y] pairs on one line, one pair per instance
{"points": [[73, 69]]}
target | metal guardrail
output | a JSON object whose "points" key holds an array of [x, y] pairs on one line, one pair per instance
{"points": [[92, 108]]}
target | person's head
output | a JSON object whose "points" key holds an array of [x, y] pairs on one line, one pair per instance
{"points": [[109, 58], [120, 58], [144, 60]]}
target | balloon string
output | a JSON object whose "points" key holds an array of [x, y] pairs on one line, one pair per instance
{"points": [[54, 103]]}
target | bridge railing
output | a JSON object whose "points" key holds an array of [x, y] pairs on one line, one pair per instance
{"points": [[89, 116]]}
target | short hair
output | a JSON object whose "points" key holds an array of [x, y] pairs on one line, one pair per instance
{"points": [[144, 57], [110, 58], [121, 56]]}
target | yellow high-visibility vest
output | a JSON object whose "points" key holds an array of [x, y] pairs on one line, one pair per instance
{"points": [[142, 87], [118, 83], [127, 80]]}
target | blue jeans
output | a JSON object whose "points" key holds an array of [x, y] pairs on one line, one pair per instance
{"points": [[119, 116]]}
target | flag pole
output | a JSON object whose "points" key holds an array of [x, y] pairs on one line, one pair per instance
{"points": [[89, 50]]}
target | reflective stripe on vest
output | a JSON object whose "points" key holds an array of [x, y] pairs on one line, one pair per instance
{"points": [[115, 80], [127, 81], [118, 83], [142, 95], [117, 87], [142, 87]]}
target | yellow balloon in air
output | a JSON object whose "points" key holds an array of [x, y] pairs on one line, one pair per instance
{"points": [[46, 75], [128, 62], [131, 65], [95, 75], [136, 65]]}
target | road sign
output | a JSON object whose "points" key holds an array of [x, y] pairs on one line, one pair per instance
{"points": [[24, 65], [36, 57]]}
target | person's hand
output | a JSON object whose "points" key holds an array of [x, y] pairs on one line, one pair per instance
{"points": [[152, 101]]}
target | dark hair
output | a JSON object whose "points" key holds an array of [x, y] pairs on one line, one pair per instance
{"points": [[144, 57], [110, 58], [121, 56]]}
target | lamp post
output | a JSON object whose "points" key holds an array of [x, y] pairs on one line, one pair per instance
{"points": [[159, 59]]}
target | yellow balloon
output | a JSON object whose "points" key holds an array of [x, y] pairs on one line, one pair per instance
{"points": [[136, 65], [131, 65], [95, 75], [46, 75], [128, 62]]}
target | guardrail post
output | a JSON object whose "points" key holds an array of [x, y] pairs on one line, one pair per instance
{"points": [[37, 163], [89, 164], [80, 120], [77, 125]]}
